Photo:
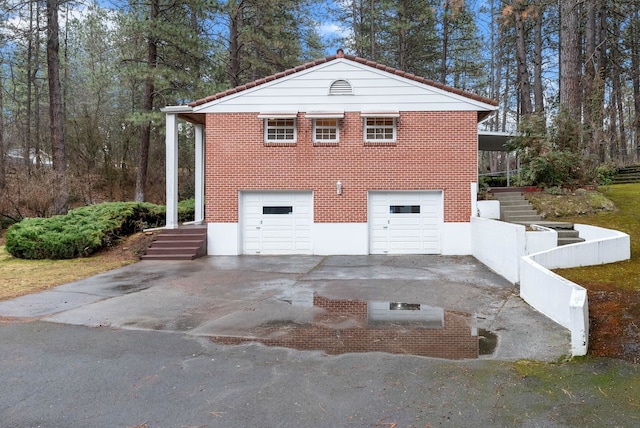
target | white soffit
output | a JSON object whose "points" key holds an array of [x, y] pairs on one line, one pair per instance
{"points": [[380, 114], [324, 115], [278, 115]]}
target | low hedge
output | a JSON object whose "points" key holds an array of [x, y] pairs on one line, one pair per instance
{"points": [[82, 231], [186, 210]]}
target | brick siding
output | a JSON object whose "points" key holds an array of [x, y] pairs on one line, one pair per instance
{"points": [[434, 151]]}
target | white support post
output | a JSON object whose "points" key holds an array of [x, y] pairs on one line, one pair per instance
{"points": [[172, 171], [474, 199], [199, 184]]}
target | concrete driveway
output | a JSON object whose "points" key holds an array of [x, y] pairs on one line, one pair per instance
{"points": [[234, 296]]}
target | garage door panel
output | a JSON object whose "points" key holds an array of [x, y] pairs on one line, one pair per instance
{"points": [[277, 222], [405, 222]]}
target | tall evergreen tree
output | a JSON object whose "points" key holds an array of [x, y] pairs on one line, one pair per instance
{"points": [[268, 36], [56, 117], [163, 51]]}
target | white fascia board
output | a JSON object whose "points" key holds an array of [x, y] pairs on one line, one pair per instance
{"points": [[176, 109], [324, 114], [386, 113], [278, 115]]}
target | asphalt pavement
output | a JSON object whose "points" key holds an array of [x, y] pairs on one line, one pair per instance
{"points": [[133, 347]]}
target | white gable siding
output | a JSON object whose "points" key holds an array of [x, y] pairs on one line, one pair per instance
{"points": [[308, 90]]}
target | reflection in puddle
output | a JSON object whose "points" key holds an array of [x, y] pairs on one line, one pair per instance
{"points": [[346, 326]]}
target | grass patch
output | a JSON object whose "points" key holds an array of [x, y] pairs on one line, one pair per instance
{"points": [[19, 277], [622, 275], [592, 389], [613, 289]]}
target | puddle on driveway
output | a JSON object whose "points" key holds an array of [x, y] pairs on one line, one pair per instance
{"points": [[347, 326]]}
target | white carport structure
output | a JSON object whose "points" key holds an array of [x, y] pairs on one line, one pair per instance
{"points": [[496, 142], [173, 114]]}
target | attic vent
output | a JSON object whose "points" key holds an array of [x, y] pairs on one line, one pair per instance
{"points": [[340, 87]]}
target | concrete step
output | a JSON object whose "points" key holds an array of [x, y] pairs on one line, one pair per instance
{"points": [[567, 233], [502, 197], [172, 250], [521, 219], [567, 241], [550, 224], [627, 174], [513, 203], [169, 257], [180, 237], [185, 243], [630, 168], [623, 179], [174, 242], [516, 213], [513, 208]]}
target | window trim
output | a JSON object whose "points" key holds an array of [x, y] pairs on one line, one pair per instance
{"points": [[266, 117], [333, 141], [374, 141]]}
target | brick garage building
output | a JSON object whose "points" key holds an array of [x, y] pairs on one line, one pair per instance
{"points": [[337, 156]]}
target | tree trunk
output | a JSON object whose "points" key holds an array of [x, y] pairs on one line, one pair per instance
{"points": [[570, 98], [445, 42], [635, 78], [524, 83], [145, 131], [235, 24], [372, 32], [357, 33], [538, 88], [590, 81], [55, 107], [36, 93], [3, 151], [31, 77], [617, 112], [402, 37]]}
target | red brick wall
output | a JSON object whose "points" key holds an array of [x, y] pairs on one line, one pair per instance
{"points": [[434, 151]]}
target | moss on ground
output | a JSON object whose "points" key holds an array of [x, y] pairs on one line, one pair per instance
{"points": [[615, 276], [613, 289]]}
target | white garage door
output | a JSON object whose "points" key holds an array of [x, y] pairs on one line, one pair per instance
{"points": [[405, 222], [276, 222]]}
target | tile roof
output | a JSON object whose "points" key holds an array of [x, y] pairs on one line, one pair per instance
{"points": [[353, 58]]}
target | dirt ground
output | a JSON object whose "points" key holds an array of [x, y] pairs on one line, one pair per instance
{"points": [[128, 249], [614, 322]]}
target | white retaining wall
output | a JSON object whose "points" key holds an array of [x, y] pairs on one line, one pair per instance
{"points": [[500, 245], [527, 257], [489, 209], [560, 299]]}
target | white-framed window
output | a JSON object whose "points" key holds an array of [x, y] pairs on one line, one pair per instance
{"points": [[326, 130], [280, 130], [380, 129]]}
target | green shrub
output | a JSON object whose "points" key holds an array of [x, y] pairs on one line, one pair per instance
{"points": [[605, 173], [186, 210], [82, 231]]}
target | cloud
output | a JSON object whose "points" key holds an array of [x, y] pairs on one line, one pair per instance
{"points": [[332, 30]]}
